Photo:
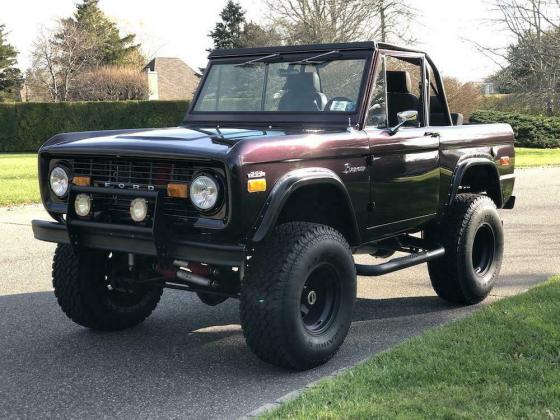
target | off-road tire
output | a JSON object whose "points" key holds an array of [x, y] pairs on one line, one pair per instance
{"points": [[472, 234], [81, 293], [294, 258]]}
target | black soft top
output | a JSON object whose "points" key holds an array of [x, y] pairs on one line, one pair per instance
{"points": [[237, 52]]}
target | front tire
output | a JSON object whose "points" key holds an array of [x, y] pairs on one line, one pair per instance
{"points": [[297, 296], [83, 292], [472, 234]]}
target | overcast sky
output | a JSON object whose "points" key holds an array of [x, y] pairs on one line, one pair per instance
{"points": [[179, 28]]}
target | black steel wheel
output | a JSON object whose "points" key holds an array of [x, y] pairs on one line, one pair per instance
{"points": [[320, 299], [297, 295], [93, 290], [483, 250]]}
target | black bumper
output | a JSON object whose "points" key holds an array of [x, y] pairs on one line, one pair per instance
{"points": [[137, 241]]}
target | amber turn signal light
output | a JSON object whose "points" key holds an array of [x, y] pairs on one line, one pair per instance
{"points": [[504, 161], [82, 181], [177, 190], [256, 185]]}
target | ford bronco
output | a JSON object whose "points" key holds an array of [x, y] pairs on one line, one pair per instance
{"points": [[289, 161]]}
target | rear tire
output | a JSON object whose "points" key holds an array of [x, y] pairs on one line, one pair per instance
{"points": [[297, 296], [83, 293], [472, 234]]}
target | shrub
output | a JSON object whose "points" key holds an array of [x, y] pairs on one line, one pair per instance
{"points": [[24, 127], [111, 83], [530, 130]]}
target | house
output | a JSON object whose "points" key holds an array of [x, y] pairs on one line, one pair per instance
{"points": [[171, 79]]}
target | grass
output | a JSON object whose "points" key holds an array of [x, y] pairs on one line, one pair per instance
{"points": [[526, 158], [501, 362], [18, 179], [18, 173]]}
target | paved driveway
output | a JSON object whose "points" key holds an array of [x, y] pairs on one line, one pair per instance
{"points": [[189, 360]]}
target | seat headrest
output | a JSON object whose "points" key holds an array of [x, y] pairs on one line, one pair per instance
{"points": [[307, 81], [398, 82]]}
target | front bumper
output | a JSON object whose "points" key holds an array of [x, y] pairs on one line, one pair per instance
{"points": [[136, 240]]}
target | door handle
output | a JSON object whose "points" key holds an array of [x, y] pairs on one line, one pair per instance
{"points": [[431, 134]]}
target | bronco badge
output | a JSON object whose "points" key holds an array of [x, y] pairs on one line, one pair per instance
{"points": [[348, 169]]}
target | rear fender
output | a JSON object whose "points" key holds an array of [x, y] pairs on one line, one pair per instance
{"points": [[464, 165]]}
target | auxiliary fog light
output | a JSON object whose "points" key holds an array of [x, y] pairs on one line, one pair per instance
{"points": [[82, 204], [138, 209]]}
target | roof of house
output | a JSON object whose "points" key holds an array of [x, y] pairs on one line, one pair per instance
{"points": [[159, 63], [175, 79]]}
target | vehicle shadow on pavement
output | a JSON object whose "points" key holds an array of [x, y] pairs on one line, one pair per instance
{"points": [[186, 351], [180, 328], [370, 309]]}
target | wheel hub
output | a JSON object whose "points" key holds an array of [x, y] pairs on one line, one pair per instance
{"points": [[320, 299], [312, 297]]}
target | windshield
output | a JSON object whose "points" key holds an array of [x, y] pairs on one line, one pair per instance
{"points": [[327, 86]]}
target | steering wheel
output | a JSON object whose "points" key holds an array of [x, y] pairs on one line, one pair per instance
{"points": [[339, 99]]}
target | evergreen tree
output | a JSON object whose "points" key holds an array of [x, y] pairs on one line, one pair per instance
{"points": [[228, 32], [104, 36], [10, 76]]}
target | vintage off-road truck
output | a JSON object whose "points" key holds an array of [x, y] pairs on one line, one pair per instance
{"points": [[289, 161]]}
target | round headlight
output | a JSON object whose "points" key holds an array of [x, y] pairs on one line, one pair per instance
{"points": [[82, 204], [204, 192], [138, 209], [59, 181]]}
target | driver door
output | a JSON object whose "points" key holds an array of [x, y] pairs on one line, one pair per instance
{"points": [[405, 175]]}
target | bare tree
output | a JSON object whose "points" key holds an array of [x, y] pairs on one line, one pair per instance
{"points": [[464, 98], [57, 60], [326, 21], [530, 65], [395, 18]]}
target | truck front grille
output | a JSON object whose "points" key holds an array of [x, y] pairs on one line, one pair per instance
{"points": [[134, 172], [143, 174]]}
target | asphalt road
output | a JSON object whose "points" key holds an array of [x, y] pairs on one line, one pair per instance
{"points": [[189, 360]]}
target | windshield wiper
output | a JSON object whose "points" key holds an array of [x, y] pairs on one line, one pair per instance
{"points": [[256, 60], [313, 60]]}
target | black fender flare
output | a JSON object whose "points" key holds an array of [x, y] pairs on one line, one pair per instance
{"points": [[285, 187], [463, 165]]}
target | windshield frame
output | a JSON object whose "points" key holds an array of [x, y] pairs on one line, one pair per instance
{"points": [[280, 118]]}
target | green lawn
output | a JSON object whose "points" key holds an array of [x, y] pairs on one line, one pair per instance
{"points": [[18, 179], [526, 158], [501, 362], [18, 173]]}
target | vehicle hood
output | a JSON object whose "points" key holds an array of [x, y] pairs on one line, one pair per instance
{"points": [[174, 142]]}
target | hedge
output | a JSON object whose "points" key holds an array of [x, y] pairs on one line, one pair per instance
{"points": [[24, 127], [530, 130]]}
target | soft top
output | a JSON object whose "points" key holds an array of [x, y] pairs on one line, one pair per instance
{"points": [[236, 52]]}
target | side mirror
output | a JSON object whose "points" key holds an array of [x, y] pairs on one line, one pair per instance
{"points": [[407, 116], [404, 117]]}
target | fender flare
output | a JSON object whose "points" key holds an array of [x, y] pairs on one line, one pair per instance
{"points": [[286, 186], [463, 165]]}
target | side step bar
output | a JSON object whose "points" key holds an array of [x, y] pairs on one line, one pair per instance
{"points": [[400, 263]]}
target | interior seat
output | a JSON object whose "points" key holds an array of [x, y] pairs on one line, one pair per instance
{"points": [[399, 96], [302, 93], [437, 115]]}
